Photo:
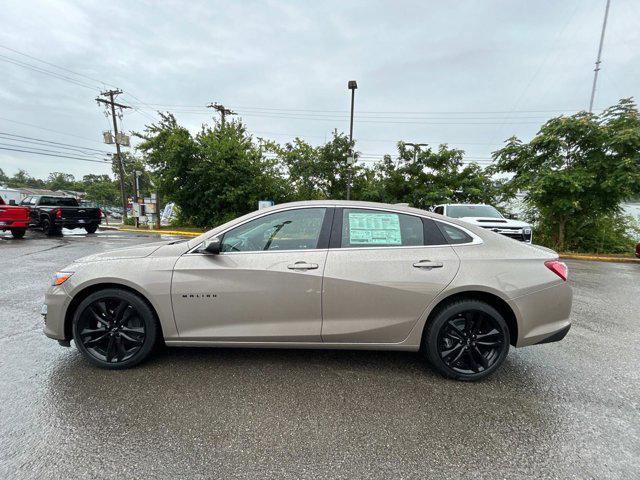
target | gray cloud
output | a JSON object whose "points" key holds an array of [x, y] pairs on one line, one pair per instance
{"points": [[463, 56]]}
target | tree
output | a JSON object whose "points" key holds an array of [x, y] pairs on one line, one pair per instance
{"points": [[213, 177], [3, 177], [101, 189], [576, 170], [23, 180], [321, 172], [61, 181], [430, 177]]}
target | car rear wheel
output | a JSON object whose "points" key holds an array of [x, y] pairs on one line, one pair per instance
{"points": [[18, 232], [49, 228], [91, 228], [114, 329], [467, 340]]}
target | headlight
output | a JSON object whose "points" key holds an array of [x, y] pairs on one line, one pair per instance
{"points": [[60, 277]]}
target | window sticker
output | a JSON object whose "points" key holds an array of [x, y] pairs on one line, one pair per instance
{"points": [[374, 229]]}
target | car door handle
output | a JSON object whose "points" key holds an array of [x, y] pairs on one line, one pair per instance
{"points": [[428, 264], [302, 266]]}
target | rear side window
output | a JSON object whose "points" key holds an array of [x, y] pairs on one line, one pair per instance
{"points": [[454, 235], [58, 202], [376, 228], [439, 210]]}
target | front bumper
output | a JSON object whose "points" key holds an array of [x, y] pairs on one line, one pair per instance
{"points": [[53, 310]]}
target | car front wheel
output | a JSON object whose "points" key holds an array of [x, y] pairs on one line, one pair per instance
{"points": [[114, 329], [466, 340], [18, 232]]}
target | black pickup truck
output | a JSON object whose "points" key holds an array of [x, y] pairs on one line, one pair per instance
{"points": [[52, 214]]}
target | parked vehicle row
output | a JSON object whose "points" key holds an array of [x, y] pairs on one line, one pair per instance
{"points": [[49, 213]]}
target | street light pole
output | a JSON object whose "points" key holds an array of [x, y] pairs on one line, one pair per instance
{"points": [[352, 85], [416, 148]]}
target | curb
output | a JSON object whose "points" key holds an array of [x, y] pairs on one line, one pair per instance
{"points": [[594, 258], [162, 232]]}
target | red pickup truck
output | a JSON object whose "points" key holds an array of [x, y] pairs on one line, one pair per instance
{"points": [[14, 218]]}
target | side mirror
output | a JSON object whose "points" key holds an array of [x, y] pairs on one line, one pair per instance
{"points": [[213, 245]]}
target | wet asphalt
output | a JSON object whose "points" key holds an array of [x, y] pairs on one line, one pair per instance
{"points": [[562, 410]]}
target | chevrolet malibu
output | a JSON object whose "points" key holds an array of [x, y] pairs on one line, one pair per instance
{"points": [[320, 274]]}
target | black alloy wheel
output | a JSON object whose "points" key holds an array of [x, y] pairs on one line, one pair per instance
{"points": [[467, 340], [114, 328]]}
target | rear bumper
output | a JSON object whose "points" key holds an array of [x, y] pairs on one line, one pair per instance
{"points": [[543, 316], [76, 223], [11, 224], [556, 337]]}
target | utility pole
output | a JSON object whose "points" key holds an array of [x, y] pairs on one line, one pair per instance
{"points": [[598, 60], [352, 85], [222, 110], [111, 94]]}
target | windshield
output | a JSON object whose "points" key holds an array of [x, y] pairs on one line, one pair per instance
{"points": [[460, 211], [58, 202]]}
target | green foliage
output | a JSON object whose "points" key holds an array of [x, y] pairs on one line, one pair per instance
{"points": [[23, 180], [213, 177], [429, 177], [101, 189], [321, 172], [576, 171]]}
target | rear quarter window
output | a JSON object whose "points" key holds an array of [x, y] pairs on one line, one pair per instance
{"points": [[454, 235]]}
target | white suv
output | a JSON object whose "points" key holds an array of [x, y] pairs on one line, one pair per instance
{"points": [[487, 216]]}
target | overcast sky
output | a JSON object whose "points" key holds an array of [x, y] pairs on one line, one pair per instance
{"points": [[466, 73]]}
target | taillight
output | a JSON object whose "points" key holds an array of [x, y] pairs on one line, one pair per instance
{"points": [[100, 214], [59, 213], [559, 268]]}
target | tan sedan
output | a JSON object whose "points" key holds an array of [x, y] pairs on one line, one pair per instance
{"points": [[320, 274]]}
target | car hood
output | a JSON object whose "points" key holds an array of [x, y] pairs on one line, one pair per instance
{"points": [[494, 222], [139, 251]]}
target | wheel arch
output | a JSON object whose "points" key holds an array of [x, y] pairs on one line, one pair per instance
{"points": [[492, 299], [85, 292]]}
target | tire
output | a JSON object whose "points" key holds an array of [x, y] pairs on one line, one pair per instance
{"points": [[114, 329], [91, 228], [50, 229], [466, 340], [18, 232]]}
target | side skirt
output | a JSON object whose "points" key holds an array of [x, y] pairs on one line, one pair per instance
{"points": [[302, 345]]}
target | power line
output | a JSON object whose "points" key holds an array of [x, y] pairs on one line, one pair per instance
{"points": [[51, 64], [77, 147], [46, 72], [346, 112], [49, 130], [56, 155]]}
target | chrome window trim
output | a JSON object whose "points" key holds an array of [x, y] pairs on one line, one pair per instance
{"points": [[476, 240], [193, 251]]}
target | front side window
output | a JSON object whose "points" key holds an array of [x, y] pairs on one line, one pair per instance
{"points": [[25, 201], [289, 230], [375, 228]]}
